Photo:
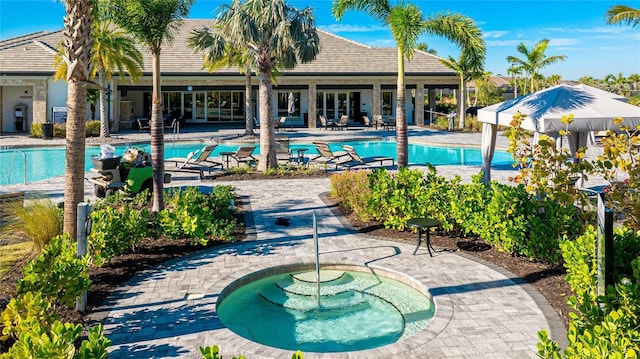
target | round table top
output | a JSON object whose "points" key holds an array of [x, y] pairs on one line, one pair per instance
{"points": [[423, 222], [227, 153]]}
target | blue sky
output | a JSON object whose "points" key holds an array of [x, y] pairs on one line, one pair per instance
{"points": [[576, 29]]}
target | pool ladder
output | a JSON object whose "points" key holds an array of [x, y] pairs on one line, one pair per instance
{"points": [[24, 159], [175, 132]]}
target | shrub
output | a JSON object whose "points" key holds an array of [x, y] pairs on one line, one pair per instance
{"points": [[606, 326], [191, 214], [39, 220], [93, 128], [351, 188], [24, 312], [467, 205], [59, 342], [60, 129], [212, 352], [36, 130], [57, 273], [114, 230]]}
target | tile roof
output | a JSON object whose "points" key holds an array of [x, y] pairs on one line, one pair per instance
{"points": [[32, 54]]}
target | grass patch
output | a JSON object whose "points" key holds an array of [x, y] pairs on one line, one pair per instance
{"points": [[12, 253]]}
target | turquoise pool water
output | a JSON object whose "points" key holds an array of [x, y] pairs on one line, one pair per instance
{"points": [[44, 163], [356, 311]]}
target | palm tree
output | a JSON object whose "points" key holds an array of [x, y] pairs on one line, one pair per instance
{"points": [[425, 48], [153, 23], [534, 60], [274, 34], [407, 24], [467, 70], [515, 71], [218, 54], [93, 96], [112, 49], [77, 55], [554, 80], [621, 14]]}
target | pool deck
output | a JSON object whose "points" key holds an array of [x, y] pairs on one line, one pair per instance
{"points": [[169, 311]]}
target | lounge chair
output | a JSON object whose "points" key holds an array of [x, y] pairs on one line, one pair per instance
{"points": [[244, 154], [283, 152], [327, 123], [143, 126], [343, 123], [367, 122], [196, 161], [280, 125], [377, 121], [326, 156], [357, 160]]}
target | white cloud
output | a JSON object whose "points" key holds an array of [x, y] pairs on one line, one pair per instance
{"points": [[494, 34], [381, 43], [341, 28], [508, 43], [555, 42]]}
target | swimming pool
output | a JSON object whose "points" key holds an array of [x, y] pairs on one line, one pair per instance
{"points": [[47, 162]]}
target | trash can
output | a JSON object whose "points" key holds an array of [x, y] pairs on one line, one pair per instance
{"points": [[47, 131]]}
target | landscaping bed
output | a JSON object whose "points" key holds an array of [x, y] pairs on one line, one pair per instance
{"points": [[546, 278]]}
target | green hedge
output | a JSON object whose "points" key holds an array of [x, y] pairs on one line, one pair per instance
{"points": [[60, 129], [506, 217]]}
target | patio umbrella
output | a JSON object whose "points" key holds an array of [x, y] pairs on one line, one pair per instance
{"points": [[292, 104], [593, 110]]}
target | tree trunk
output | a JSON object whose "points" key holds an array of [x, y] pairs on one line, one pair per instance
{"points": [[247, 105], [461, 107], [267, 124], [75, 156], [157, 136], [401, 117], [104, 120], [77, 48]]}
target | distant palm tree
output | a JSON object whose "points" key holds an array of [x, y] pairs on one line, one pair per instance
{"points": [[77, 55], [219, 54], [534, 60], [425, 48], [467, 70], [621, 14], [93, 96], [407, 24], [153, 23], [516, 72], [112, 50], [274, 34], [554, 80]]}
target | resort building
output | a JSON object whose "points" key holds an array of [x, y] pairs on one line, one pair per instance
{"points": [[347, 78]]}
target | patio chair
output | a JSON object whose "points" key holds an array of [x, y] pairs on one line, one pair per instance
{"points": [[367, 122], [326, 156], [283, 152], [280, 125], [343, 123], [327, 123], [244, 154], [194, 162], [143, 126], [357, 160], [377, 121]]}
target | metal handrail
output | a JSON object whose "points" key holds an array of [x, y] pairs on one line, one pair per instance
{"points": [[24, 159]]}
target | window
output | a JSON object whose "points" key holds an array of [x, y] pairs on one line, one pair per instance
{"points": [[387, 103], [319, 104], [331, 111]]}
